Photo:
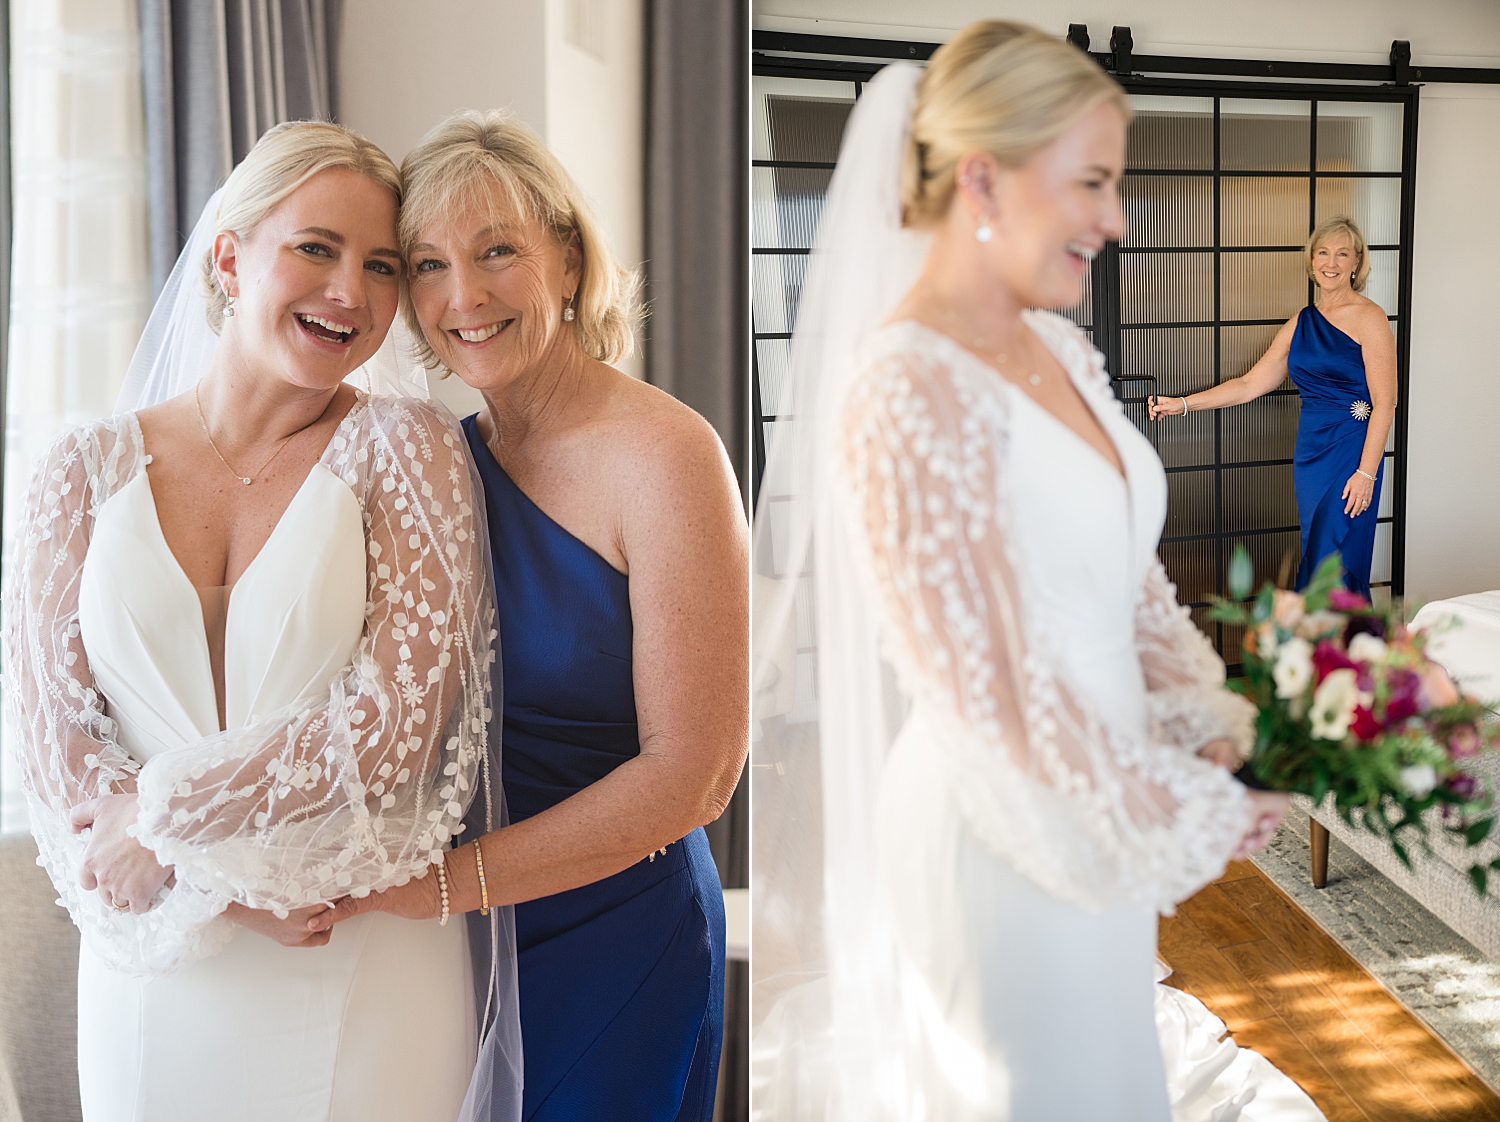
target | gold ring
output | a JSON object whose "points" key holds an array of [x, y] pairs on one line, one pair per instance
{"points": [[125, 907]]}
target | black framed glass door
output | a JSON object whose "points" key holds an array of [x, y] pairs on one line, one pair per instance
{"points": [[1225, 181]]}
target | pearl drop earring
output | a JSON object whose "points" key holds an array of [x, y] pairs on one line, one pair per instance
{"points": [[983, 233]]}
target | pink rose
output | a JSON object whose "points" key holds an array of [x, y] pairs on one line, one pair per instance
{"points": [[1342, 600], [1463, 741]]}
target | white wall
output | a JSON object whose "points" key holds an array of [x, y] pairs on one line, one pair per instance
{"points": [[404, 66], [1453, 497]]}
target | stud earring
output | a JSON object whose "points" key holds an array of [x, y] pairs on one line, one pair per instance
{"points": [[568, 314], [229, 306], [983, 233]]}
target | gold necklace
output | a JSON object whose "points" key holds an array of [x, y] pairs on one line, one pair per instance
{"points": [[245, 479]]}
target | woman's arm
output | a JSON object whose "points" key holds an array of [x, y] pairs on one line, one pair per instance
{"points": [[1379, 348], [1268, 373]]}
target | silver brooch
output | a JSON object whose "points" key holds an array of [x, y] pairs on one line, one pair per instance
{"points": [[1360, 410]]}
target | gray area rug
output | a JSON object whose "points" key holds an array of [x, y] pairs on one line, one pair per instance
{"points": [[1435, 973]]}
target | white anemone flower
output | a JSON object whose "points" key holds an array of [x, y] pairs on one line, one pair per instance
{"points": [[1293, 669], [1419, 780], [1365, 647], [1333, 705]]}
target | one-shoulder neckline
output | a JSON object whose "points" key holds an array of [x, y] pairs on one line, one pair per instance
{"points": [[471, 426], [1315, 310]]}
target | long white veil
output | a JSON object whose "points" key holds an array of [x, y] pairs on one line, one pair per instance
{"points": [[832, 1033], [177, 345], [175, 350]]}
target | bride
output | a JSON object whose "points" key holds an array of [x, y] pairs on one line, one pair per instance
{"points": [[248, 637], [1017, 725]]}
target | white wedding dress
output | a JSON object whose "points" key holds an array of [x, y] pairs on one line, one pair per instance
{"points": [[1042, 801], [356, 647]]}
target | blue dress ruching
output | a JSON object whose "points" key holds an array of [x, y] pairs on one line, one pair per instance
{"points": [[1328, 369], [621, 981]]}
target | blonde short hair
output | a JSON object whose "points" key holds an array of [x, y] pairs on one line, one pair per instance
{"points": [[492, 158], [1333, 227], [998, 87], [282, 160]]}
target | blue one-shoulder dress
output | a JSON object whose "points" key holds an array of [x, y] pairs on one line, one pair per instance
{"points": [[1328, 369], [621, 981]]}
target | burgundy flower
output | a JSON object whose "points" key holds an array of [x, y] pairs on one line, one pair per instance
{"points": [[1327, 658], [1364, 625], [1406, 696], [1462, 785], [1342, 600], [1365, 726]]}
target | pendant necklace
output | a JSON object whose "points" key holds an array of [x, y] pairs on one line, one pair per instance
{"points": [[245, 479]]}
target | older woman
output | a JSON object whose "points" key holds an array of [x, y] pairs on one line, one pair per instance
{"points": [[1342, 357], [242, 638], [621, 563]]}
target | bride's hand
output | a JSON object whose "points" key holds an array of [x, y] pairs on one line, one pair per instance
{"points": [[1267, 810], [1222, 753], [124, 872], [294, 931], [418, 898]]}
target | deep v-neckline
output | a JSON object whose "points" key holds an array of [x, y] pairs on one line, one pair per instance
{"points": [[1121, 473], [281, 520]]}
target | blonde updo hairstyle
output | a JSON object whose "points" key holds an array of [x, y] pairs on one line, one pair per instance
{"points": [[1332, 228], [282, 160], [493, 160], [997, 87]]}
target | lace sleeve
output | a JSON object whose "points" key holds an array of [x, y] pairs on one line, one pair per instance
{"points": [[60, 732], [1186, 698], [1097, 815], [362, 787]]}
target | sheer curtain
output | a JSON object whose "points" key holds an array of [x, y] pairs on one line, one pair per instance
{"points": [[80, 270]]}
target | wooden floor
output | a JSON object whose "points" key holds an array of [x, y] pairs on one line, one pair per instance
{"points": [[1294, 995]]}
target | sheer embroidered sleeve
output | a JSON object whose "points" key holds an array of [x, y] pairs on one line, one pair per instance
{"points": [[1098, 815], [362, 787], [1188, 703], [60, 730]]}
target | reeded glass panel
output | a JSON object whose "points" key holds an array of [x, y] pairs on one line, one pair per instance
{"points": [[1169, 210], [1241, 348], [1082, 313], [1262, 285], [1166, 287], [1380, 567], [1382, 283], [1257, 135], [1263, 429], [1258, 498], [1275, 556], [787, 205], [777, 279], [1134, 394], [1387, 487], [1171, 132], [1190, 503], [1186, 441], [1359, 135], [771, 356], [1181, 359], [1374, 204], [1191, 567], [796, 119], [1263, 211]]}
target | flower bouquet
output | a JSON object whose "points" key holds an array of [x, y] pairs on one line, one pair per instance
{"points": [[1348, 704]]}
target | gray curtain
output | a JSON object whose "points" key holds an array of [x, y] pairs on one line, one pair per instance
{"points": [[698, 333], [217, 74], [698, 212]]}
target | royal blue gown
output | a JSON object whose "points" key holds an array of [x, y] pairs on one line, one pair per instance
{"points": [[621, 981], [1328, 369]]}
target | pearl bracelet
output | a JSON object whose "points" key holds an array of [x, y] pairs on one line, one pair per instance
{"points": [[1367, 475], [442, 872]]}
